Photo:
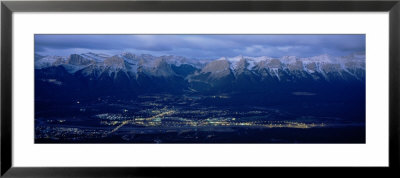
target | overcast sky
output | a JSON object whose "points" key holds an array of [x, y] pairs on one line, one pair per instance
{"points": [[202, 46]]}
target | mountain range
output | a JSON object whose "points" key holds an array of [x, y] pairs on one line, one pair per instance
{"points": [[127, 74]]}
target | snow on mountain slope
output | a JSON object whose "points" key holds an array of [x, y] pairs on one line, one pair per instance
{"points": [[218, 68], [49, 61], [95, 57]]}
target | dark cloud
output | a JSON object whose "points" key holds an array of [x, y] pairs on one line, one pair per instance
{"points": [[203, 46]]}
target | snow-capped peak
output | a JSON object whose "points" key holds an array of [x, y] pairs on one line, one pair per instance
{"points": [[94, 56], [325, 58], [288, 59], [48, 61]]}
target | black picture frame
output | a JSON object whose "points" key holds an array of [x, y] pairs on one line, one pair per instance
{"points": [[8, 7]]}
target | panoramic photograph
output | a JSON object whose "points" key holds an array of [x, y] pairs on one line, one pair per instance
{"points": [[200, 88]]}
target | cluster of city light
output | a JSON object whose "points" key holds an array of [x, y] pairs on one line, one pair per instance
{"points": [[133, 121], [163, 119], [154, 114], [112, 117], [60, 132]]}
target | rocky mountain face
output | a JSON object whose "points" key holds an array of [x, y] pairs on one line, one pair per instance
{"points": [[130, 74]]}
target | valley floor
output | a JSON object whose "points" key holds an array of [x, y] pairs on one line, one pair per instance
{"points": [[197, 119]]}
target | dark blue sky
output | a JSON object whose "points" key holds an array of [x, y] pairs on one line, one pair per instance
{"points": [[202, 46]]}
